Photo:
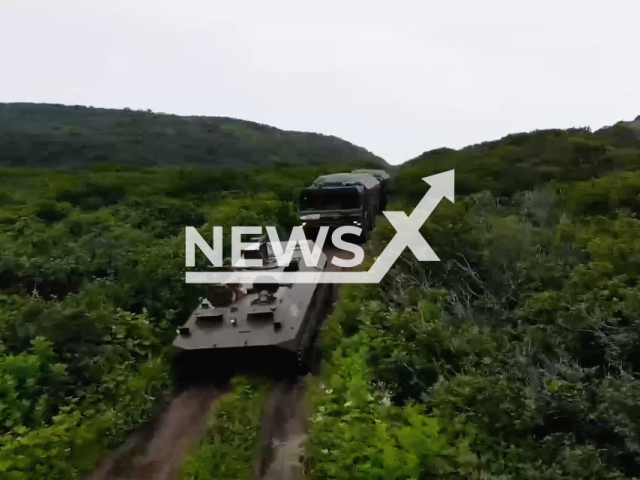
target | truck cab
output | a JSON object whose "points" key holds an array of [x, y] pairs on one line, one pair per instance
{"points": [[335, 204]]}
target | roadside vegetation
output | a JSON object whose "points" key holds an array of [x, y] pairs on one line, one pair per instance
{"points": [[515, 356], [232, 439]]}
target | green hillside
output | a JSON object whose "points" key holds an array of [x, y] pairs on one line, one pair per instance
{"points": [[525, 160], [52, 136], [517, 356]]}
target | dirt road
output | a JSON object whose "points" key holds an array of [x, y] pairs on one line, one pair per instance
{"points": [[156, 451], [283, 433]]}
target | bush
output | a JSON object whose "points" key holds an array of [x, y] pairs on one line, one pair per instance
{"points": [[232, 436]]}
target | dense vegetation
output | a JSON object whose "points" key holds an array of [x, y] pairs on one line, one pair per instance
{"points": [[52, 136], [523, 161], [91, 291], [516, 356]]}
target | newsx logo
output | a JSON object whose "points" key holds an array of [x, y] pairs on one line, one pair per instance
{"points": [[283, 256], [407, 235]]}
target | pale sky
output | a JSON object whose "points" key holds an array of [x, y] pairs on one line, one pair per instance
{"points": [[397, 77]]}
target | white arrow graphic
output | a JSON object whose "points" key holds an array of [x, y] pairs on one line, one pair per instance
{"points": [[408, 228], [407, 235]]}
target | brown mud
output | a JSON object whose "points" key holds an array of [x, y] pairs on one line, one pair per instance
{"points": [[156, 450], [283, 433]]}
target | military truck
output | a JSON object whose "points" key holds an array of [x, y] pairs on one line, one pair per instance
{"points": [[384, 178], [254, 327], [338, 200]]}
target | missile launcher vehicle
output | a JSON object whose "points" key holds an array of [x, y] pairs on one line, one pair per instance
{"points": [[254, 328]]}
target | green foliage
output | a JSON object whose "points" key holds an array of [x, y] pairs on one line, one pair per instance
{"points": [[525, 161], [605, 196], [50, 211], [69, 446], [52, 136], [92, 195], [28, 386], [357, 433], [91, 292], [232, 436], [6, 198], [521, 344]]}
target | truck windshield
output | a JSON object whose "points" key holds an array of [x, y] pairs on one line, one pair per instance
{"points": [[339, 199]]}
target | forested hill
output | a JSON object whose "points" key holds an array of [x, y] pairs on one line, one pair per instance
{"points": [[635, 125], [46, 135], [523, 161]]}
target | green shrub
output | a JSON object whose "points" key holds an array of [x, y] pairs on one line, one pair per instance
{"points": [[232, 436]]}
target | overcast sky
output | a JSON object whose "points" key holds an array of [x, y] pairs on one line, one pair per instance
{"points": [[396, 77]]}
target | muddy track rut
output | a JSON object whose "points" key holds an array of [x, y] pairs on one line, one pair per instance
{"points": [[283, 433], [156, 451]]}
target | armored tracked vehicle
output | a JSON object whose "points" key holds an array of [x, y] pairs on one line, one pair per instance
{"points": [[255, 328], [338, 200]]}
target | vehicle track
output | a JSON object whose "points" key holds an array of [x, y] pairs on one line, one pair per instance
{"points": [[283, 432], [156, 451], [284, 425]]}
